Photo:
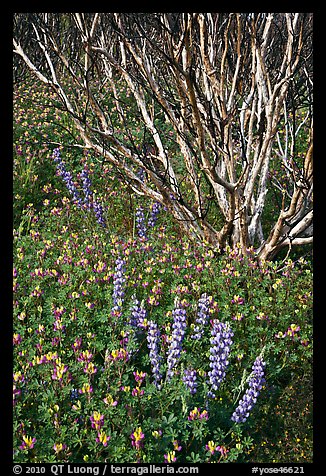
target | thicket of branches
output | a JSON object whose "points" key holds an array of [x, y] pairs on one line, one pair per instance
{"points": [[209, 105]]}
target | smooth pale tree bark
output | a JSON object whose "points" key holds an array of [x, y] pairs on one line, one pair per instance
{"points": [[222, 100]]}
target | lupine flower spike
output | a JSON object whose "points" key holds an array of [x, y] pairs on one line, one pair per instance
{"points": [[255, 383], [98, 210], [153, 337], [118, 288], [221, 341], [138, 313], [89, 202], [87, 188], [67, 177], [202, 316], [178, 332], [189, 379], [155, 210], [140, 223]]}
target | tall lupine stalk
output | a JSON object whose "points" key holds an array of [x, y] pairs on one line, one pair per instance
{"points": [[140, 223], [190, 380], [221, 341], [118, 286], [67, 177], [141, 174], [202, 316], [141, 226], [153, 338], [155, 210], [99, 213], [255, 384], [87, 188], [178, 332], [89, 201], [140, 214], [138, 313]]}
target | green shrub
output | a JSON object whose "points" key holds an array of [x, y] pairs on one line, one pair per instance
{"points": [[84, 377]]}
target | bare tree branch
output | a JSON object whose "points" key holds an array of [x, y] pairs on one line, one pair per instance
{"points": [[224, 101]]}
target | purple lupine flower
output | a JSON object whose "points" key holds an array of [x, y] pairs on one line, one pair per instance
{"points": [[74, 394], [197, 414], [141, 174], [118, 288], [138, 313], [67, 177], [153, 337], [221, 341], [89, 202], [155, 209], [17, 338], [189, 379], [97, 420], [140, 223], [87, 188], [98, 209], [202, 316], [137, 438], [255, 383], [178, 332], [139, 376], [28, 443]]}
